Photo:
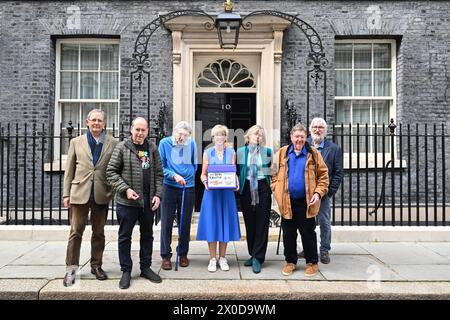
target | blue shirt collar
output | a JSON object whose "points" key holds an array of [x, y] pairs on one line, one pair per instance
{"points": [[174, 143], [303, 152], [320, 146]]}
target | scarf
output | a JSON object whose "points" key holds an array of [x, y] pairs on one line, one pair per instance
{"points": [[253, 154], [96, 148]]}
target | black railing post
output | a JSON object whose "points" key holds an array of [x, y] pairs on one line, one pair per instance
{"points": [[443, 175], [435, 174], [8, 174], [25, 147], [392, 127], [1, 169], [33, 197]]}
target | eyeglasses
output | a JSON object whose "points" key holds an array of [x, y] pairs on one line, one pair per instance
{"points": [[318, 127], [96, 120]]}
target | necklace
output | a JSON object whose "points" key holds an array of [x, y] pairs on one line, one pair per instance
{"points": [[219, 152]]}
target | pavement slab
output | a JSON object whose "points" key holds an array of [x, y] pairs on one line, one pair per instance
{"points": [[403, 253], [32, 272], [442, 248], [423, 272], [357, 268], [50, 253], [13, 250]]}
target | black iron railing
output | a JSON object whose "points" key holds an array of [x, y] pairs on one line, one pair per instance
{"points": [[394, 175]]}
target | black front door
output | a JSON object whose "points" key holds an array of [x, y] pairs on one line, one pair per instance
{"points": [[235, 110]]}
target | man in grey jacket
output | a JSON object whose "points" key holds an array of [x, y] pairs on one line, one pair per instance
{"points": [[136, 173]]}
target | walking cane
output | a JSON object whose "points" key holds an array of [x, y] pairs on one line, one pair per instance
{"points": [[180, 226], [279, 239]]}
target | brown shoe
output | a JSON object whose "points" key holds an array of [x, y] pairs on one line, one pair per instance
{"points": [[166, 264], [184, 261], [288, 269], [311, 269], [99, 273]]}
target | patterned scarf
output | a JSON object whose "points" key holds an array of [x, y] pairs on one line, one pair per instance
{"points": [[96, 147], [253, 154]]}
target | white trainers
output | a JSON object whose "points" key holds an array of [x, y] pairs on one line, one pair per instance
{"points": [[223, 263], [212, 266]]}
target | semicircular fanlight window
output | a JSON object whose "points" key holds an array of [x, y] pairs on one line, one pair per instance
{"points": [[225, 73]]}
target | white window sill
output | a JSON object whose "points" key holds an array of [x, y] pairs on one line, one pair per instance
{"points": [[371, 161], [55, 166]]}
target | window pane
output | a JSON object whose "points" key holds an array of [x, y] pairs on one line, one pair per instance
{"points": [[343, 111], [69, 85], [363, 83], [111, 110], [70, 112], [363, 56], [89, 85], [382, 85], [343, 83], [343, 56], [109, 59], [89, 57], [69, 57], [380, 112], [382, 56], [108, 85], [85, 108], [361, 112]]}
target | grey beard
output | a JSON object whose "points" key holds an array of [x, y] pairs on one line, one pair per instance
{"points": [[317, 138]]}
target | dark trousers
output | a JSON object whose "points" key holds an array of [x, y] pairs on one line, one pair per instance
{"points": [[307, 231], [127, 217], [171, 205], [256, 219], [78, 222]]}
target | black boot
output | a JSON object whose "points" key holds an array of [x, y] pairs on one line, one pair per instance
{"points": [[124, 282]]}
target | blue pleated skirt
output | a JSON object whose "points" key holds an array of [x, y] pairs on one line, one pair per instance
{"points": [[218, 219]]}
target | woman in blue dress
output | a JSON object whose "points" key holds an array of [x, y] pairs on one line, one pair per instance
{"points": [[218, 221]]}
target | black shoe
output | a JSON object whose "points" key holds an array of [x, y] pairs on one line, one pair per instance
{"points": [[99, 273], [151, 275], [248, 263], [69, 279], [124, 282], [324, 257], [301, 255]]}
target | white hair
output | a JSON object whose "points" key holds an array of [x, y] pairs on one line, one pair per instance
{"points": [[182, 125], [321, 122]]}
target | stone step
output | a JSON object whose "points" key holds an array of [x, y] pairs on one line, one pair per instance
{"points": [[229, 289]]}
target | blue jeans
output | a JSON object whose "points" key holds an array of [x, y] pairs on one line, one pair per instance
{"points": [[127, 217], [324, 219], [171, 205]]}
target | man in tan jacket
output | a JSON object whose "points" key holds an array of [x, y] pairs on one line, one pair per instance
{"points": [[299, 182], [85, 187]]}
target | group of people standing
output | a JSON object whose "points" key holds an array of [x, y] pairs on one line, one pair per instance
{"points": [[302, 177]]}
